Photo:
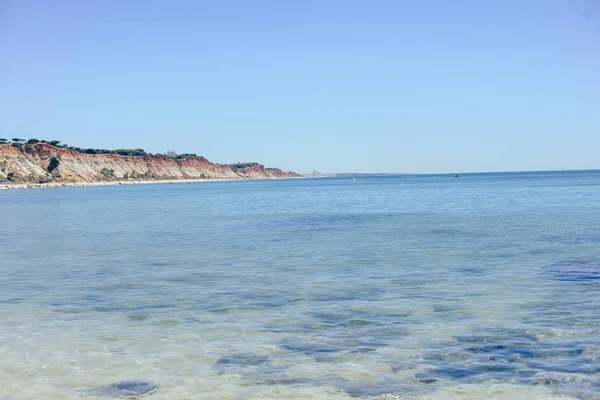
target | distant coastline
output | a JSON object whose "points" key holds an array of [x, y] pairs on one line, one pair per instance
{"points": [[315, 174], [35, 163]]}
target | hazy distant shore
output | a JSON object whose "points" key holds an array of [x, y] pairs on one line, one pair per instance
{"points": [[11, 186]]}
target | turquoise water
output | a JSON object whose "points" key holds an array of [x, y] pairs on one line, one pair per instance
{"points": [[478, 287]]}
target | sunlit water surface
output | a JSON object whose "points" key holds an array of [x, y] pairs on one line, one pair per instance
{"points": [[471, 287]]}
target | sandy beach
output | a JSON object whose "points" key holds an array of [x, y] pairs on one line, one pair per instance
{"points": [[9, 186]]}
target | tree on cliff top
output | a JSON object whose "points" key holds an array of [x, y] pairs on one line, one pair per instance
{"points": [[184, 156], [3, 140], [33, 141], [242, 165], [17, 140], [129, 152]]}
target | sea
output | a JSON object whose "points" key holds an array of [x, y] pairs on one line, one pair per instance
{"points": [[478, 286]]}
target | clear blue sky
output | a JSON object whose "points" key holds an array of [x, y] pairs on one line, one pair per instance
{"points": [[338, 85]]}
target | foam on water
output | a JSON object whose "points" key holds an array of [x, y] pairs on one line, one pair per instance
{"points": [[400, 288]]}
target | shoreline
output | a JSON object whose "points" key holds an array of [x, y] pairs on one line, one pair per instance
{"points": [[17, 186]]}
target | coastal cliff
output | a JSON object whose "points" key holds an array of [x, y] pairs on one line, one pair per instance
{"points": [[44, 163]]}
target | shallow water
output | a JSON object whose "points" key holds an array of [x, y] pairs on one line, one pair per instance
{"points": [[483, 286]]}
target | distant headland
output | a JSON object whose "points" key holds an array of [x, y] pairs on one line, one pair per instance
{"points": [[35, 163]]}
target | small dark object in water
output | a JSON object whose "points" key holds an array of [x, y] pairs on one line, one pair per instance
{"points": [[125, 390]]}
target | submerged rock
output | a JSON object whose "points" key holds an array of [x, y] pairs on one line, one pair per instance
{"points": [[125, 390]]}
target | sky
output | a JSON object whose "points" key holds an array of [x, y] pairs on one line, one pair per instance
{"points": [[403, 86]]}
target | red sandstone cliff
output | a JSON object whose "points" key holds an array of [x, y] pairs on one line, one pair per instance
{"points": [[31, 164]]}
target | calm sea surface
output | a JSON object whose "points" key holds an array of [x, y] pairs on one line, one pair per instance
{"points": [[477, 287]]}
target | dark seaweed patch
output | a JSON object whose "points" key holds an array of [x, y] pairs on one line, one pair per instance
{"points": [[572, 239], [289, 381], [225, 309], [576, 271], [153, 306], [470, 271], [243, 360], [358, 319], [312, 348], [364, 350], [584, 389], [336, 297], [504, 352], [138, 317], [500, 335], [323, 351], [319, 223], [507, 354], [454, 372], [331, 318], [442, 308], [15, 300], [125, 389], [447, 232], [108, 309], [547, 381], [580, 365], [266, 299], [466, 372]]}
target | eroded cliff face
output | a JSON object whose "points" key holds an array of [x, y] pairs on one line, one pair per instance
{"points": [[32, 163]]}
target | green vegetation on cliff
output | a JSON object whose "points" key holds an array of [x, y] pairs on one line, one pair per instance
{"points": [[240, 165], [19, 143], [54, 162]]}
